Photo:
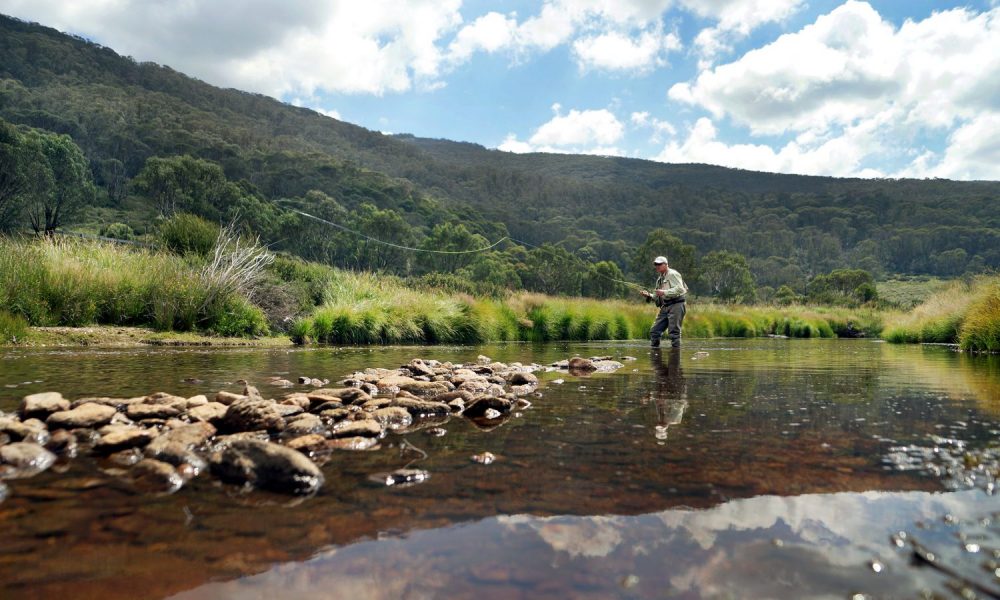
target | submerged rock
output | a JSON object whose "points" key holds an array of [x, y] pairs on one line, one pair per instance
{"points": [[121, 437], [584, 365], [62, 442], [26, 458], [400, 477], [422, 408], [267, 465], [484, 458], [352, 443], [480, 407], [154, 476], [42, 405], [365, 428]]}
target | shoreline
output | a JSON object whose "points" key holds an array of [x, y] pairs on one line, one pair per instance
{"points": [[113, 336]]}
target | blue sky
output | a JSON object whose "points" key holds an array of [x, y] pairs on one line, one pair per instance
{"points": [[888, 88]]}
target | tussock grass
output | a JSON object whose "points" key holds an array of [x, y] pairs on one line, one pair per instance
{"points": [[13, 328], [75, 283], [939, 319], [980, 331], [366, 309]]}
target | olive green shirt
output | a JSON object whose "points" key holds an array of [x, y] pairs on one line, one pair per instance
{"points": [[672, 285]]}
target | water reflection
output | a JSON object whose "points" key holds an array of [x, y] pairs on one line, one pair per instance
{"points": [[670, 395], [672, 476]]}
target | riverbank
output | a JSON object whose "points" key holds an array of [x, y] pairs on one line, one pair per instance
{"points": [[108, 336], [966, 313]]}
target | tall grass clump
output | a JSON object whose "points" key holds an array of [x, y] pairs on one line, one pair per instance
{"points": [[938, 320], [75, 282], [980, 332], [13, 328]]}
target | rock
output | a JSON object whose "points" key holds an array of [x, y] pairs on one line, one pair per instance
{"points": [[483, 360], [400, 477], [126, 458], [580, 364], [305, 380], [394, 381], [308, 444], [376, 403], [29, 430], [42, 405], [393, 417], [422, 408], [427, 388], [419, 367], [457, 405], [4, 491], [474, 386], [154, 476], [348, 395], [267, 465], [365, 428], [281, 383], [213, 413], [196, 401], [120, 437], [178, 455], [558, 381], [436, 431], [249, 414], [447, 397], [116, 403], [335, 414], [352, 443], [480, 406], [85, 415], [303, 425], [607, 365], [522, 390], [140, 412], [62, 442], [296, 399], [484, 458], [523, 379], [251, 392], [189, 436], [228, 398], [26, 458]]}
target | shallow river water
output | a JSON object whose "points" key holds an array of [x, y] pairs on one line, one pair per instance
{"points": [[762, 470]]}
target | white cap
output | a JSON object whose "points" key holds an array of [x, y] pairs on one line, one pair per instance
{"points": [[660, 260]]}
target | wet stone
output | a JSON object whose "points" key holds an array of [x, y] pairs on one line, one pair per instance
{"points": [[119, 437], [303, 425], [267, 465], [85, 415], [422, 408], [228, 398], [482, 405], [4, 491], [580, 364], [250, 415], [313, 442], [187, 435], [352, 443], [42, 405], [26, 459], [126, 458], [393, 417], [365, 428], [523, 379], [484, 458], [213, 412], [141, 412], [30, 430], [400, 477], [153, 476]]}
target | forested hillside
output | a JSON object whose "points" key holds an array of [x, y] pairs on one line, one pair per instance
{"points": [[158, 142]]}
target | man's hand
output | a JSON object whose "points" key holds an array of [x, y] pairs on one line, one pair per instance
{"points": [[659, 293], [646, 294]]}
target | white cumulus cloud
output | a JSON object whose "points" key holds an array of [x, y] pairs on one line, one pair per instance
{"points": [[577, 132], [618, 51]]}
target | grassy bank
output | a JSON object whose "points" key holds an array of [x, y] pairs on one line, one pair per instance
{"points": [[965, 313], [77, 283], [367, 309]]}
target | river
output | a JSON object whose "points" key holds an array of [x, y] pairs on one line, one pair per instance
{"points": [[734, 468]]}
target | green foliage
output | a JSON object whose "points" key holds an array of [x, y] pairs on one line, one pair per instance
{"points": [[238, 317], [942, 317], [786, 295], [118, 231], [66, 175], [842, 286], [659, 242], [604, 280], [185, 233], [726, 276], [13, 328]]}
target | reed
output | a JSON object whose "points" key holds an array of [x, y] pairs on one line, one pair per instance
{"points": [[13, 328], [938, 319]]}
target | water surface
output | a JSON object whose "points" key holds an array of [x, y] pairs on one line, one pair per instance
{"points": [[756, 471]]}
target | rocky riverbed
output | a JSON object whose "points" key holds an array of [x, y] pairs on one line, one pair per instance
{"points": [[160, 441]]}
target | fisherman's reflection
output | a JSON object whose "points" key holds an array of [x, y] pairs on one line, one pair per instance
{"points": [[670, 396]]}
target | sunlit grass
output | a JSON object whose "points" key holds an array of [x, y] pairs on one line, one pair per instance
{"points": [[981, 329], [939, 319]]}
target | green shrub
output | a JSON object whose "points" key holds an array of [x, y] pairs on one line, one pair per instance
{"points": [[118, 231], [185, 233], [237, 317]]}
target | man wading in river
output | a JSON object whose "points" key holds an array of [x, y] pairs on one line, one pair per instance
{"points": [[668, 294]]}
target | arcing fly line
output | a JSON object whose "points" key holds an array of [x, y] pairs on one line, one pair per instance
{"points": [[390, 244], [473, 251]]}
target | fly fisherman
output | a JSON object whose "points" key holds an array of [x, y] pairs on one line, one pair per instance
{"points": [[668, 294]]}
